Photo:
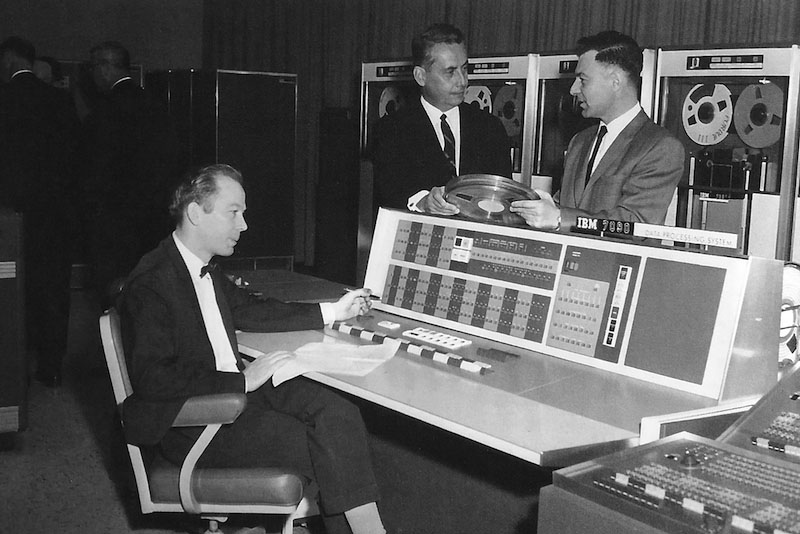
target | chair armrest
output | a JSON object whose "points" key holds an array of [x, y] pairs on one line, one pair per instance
{"points": [[211, 411], [222, 408]]}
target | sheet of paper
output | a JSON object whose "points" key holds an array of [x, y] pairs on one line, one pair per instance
{"points": [[333, 358]]}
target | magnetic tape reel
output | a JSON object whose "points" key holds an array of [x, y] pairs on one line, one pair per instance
{"points": [[392, 99], [758, 115], [480, 95], [707, 113], [508, 107], [486, 197]]}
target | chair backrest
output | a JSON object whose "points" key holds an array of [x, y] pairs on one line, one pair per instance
{"points": [[111, 336], [110, 333]]}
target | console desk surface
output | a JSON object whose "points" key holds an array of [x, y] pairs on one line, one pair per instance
{"points": [[536, 407]]}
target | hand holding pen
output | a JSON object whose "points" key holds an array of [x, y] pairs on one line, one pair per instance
{"points": [[354, 302]]}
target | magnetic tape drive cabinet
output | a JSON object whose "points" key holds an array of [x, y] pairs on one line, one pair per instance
{"points": [[736, 112], [247, 120], [13, 358], [693, 322], [498, 85]]}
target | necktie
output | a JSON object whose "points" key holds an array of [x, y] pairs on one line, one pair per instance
{"points": [[207, 269], [449, 143], [597, 142]]}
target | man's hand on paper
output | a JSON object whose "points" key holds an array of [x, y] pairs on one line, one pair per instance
{"points": [[263, 367]]}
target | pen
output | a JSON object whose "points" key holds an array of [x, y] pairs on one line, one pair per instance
{"points": [[373, 297]]}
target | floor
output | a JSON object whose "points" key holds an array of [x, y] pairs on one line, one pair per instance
{"points": [[68, 471]]}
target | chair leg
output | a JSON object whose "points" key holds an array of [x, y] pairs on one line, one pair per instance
{"points": [[213, 524], [288, 525]]}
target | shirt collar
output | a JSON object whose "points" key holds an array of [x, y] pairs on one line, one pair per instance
{"points": [[121, 80], [21, 71], [435, 114], [193, 263], [617, 125]]}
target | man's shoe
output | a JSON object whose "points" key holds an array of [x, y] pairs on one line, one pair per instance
{"points": [[51, 379]]}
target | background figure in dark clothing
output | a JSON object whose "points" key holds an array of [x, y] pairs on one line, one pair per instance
{"points": [[131, 151], [37, 164]]}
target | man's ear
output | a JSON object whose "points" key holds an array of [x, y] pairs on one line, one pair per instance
{"points": [[193, 212], [615, 74], [420, 75]]}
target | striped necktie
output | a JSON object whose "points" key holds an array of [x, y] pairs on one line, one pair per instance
{"points": [[449, 143]]}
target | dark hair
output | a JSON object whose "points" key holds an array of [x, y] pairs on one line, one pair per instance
{"points": [[436, 33], [615, 48], [120, 57], [19, 47], [200, 186]]}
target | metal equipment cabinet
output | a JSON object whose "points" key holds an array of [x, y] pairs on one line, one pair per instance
{"points": [[247, 120], [13, 371]]}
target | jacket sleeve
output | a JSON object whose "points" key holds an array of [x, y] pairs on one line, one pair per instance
{"points": [[255, 314], [391, 169]]}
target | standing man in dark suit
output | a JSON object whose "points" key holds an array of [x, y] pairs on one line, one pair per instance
{"points": [[178, 326], [420, 148], [626, 168], [39, 132], [132, 151]]}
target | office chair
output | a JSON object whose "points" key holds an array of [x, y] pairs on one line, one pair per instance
{"points": [[213, 493]]}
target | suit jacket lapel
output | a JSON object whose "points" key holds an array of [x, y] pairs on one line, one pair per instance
{"points": [[617, 149], [580, 185], [186, 286], [428, 142], [227, 316]]}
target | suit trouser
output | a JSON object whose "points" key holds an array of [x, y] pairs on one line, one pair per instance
{"points": [[301, 425]]}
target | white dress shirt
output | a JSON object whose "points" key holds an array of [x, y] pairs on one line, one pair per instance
{"points": [[212, 318], [435, 116], [124, 78], [614, 128]]}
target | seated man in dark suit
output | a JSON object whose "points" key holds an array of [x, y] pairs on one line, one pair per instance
{"points": [[627, 167], [421, 147], [178, 324]]}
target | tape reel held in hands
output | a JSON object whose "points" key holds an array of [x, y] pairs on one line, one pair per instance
{"points": [[487, 198]]}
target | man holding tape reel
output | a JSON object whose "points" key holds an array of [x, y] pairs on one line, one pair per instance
{"points": [[421, 147], [627, 167]]}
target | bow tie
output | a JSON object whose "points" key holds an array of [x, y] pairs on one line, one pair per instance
{"points": [[209, 268]]}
